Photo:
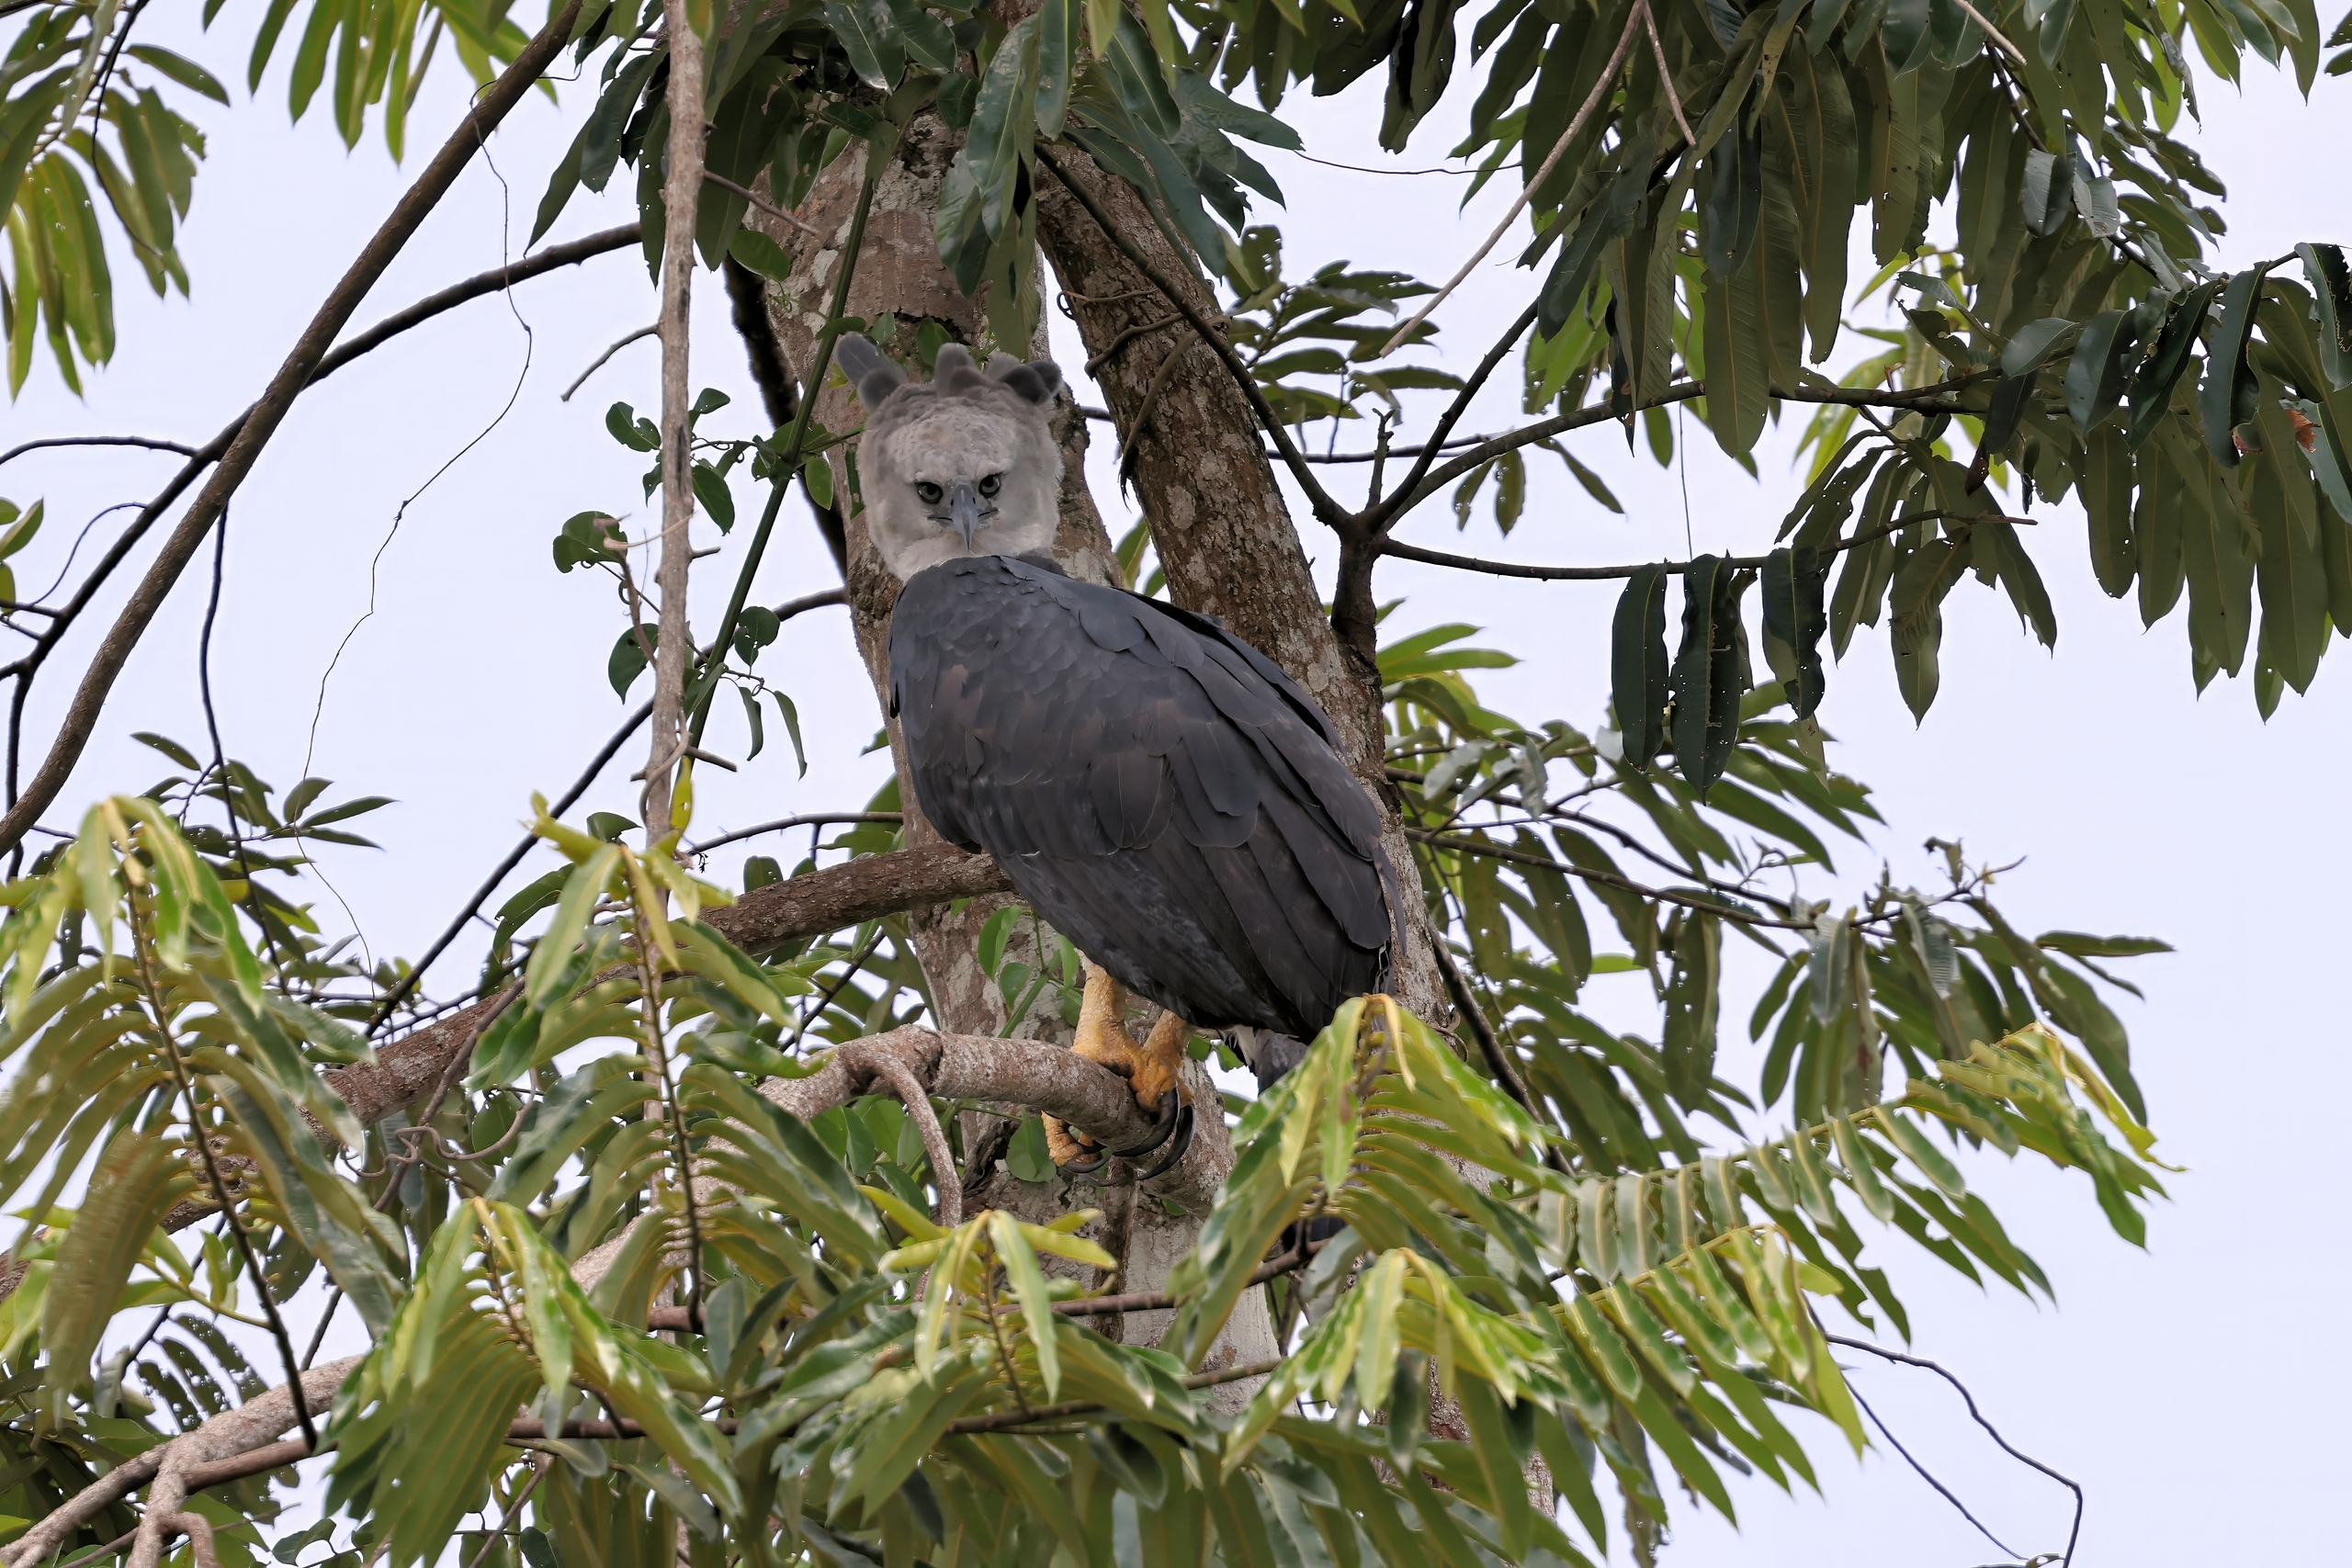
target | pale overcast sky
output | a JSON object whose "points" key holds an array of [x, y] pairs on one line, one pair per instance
{"points": [[2187, 1387]]}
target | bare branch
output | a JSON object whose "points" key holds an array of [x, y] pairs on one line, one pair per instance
{"points": [[13, 453], [257, 428], [1381, 517], [181, 1465], [890, 1069], [1673, 568], [495, 280], [1940, 398], [763, 203], [817, 819], [1978, 1417], [1607, 879], [601, 360]]}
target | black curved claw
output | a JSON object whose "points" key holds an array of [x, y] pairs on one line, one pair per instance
{"points": [[1171, 1109], [1087, 1168], [1182, 1142]]}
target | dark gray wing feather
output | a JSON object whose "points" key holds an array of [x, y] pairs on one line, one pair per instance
{"points": [[1158, 790]]}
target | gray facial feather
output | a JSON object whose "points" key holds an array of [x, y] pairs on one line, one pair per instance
{"points": [[957, 431]]}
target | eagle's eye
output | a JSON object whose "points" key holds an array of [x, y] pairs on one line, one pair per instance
{"points": [[930, 492], [989, 485]]}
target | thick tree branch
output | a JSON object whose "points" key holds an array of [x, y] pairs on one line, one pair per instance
{"points": [[761, 921], [255, 430]]}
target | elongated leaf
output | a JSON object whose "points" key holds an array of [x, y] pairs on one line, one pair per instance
{"points": [[1794, 620], [136, 1180], [2331, 282], [2227, 398], [1638, 665], [1705, 681]]}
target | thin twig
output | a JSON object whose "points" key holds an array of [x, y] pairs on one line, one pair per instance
{"points": [[857, 962], [1929, 1476], [795, 445], [1609, 879], [539, 1473], [1382, 516], [598, 362], [1125, 337], [455, 928], [2011, 50], [1144, 411], [1672, 568], [1666, 75], [1978, 1417], [1527, 192], [763, 203], [1005, 1419], [818, 820], [13, 453], [160, 1012], [319, 1335]]}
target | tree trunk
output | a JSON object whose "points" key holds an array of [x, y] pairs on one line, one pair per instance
{"points": [[899, 277]]}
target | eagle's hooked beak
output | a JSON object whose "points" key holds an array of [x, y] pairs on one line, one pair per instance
{"points": [[966, 513]]}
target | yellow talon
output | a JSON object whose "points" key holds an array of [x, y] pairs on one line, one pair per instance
{"points": [[1066, 1145], [1160, 1070], [1155, 1068]]}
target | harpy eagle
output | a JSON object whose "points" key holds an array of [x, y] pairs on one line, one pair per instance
{"points": [[1154, 788]]}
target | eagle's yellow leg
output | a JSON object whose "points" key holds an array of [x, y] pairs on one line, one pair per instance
{"points": [[1161, 1065], [1155, 1069]]}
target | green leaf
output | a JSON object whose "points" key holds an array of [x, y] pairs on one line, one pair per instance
{"points": [[1917, 631], [1706, 680], [2152, 383], [761, 254], [627, 660], [868, 35], [2095, 375], [1794, 620], [2228, 396], [180, 69], [1027, 1156], [136, 1180], [2331, 282], [543, 976], [1638, 665], [1060, 23]]}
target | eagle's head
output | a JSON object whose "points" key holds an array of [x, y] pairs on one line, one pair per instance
{"points": [[962, 464]]}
